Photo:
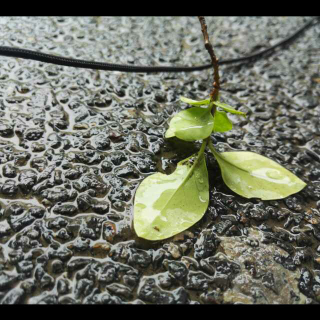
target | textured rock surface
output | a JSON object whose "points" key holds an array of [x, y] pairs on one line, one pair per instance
{"points": [[259, 272], [75, 144]]}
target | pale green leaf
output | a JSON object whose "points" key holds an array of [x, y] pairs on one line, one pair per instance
{"points": [[191, 124], [169, 204], [221, 122], [228, 108], [254, 176], [194, 102]]}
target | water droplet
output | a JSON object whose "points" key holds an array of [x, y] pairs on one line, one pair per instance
{"points": [[274, 174], [163, 218]]}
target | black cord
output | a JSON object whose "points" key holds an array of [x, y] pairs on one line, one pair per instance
{"points": [[69, 62]]}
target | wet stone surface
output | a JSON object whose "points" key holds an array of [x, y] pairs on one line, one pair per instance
{"points": [[75, 144]]}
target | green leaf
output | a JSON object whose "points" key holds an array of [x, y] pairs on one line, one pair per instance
{"points": [[169, 204], [228, 108], [191, 124], [194, 102], [221, 122], [254, 176]]}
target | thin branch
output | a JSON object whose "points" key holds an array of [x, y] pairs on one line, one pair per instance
{"points": [[216, 84]]}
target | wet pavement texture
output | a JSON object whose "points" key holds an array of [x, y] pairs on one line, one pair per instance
{"points": [[75, 144]]}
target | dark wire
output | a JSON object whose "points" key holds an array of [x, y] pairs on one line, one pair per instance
{"points": [[76, 63]]}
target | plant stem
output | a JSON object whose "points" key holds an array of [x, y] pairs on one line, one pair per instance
{"points": [[216, 84], [203, 147], [213, 150], [200, 154], [218, 155], [201, 151]]}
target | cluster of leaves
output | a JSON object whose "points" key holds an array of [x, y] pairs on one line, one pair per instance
{"points": [[166, 205]]}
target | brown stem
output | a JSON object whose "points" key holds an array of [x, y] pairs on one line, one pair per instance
{"points": [[216, 84]]}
